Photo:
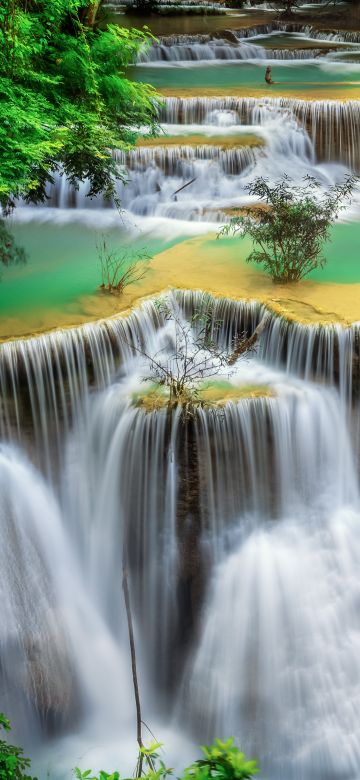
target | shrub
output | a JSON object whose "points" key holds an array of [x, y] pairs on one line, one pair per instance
{"points": [[291, 225], [119, 269], [13, 764], [221, 761]]}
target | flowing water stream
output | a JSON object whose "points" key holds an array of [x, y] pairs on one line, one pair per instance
{"points": [[242, 525], [241, 522]]}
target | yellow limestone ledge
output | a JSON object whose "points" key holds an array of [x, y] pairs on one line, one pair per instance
{"points": [[202, 264], [231, 142], [343, 91], [198, 264]]}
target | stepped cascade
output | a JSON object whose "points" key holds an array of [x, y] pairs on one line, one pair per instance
{"points": [[296, 135], [231, 502], [260, 486]]}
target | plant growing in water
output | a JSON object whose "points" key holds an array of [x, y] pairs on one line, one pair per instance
{"points": [[195, 354], [291, 225], [119, 269], [194, 357]]}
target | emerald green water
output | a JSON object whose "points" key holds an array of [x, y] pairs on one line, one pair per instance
{"points": [[62, 263], [294, 78], [342, 255]]}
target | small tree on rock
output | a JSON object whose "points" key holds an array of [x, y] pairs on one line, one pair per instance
{"points": [[285, 7], [291, 225], [192, 354]]}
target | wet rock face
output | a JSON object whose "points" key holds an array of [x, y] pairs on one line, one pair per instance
{"points": [[226, 35]]}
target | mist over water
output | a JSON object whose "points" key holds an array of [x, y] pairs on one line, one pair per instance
{"points": [[258, 634]]}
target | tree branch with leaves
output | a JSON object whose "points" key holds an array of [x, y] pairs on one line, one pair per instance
{"points": [[291, 225]]}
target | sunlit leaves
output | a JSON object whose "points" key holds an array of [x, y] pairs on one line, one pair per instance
{"points": [[64, 101], [222, 761]]}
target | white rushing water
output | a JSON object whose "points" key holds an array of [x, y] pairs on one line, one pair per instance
{"points": [[242, 531], [241, 525], [299, 138], [268, 42]]}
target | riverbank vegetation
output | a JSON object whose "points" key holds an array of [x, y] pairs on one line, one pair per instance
{"points": [[289, 229], [9, 251], [65, 102], [13, 764], [195, 374], [119, 268], [220, 761]]}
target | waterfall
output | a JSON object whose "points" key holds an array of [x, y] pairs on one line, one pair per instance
{"points": [[274, 28], [189, 49], [239, 521], [283, 665], [295, 136], [179, 160], [48, 677], [331, 125], [45, 381]]}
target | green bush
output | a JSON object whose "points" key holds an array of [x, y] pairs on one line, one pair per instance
{"points": [[13, 764], [291, 224], [221, 761], [65, 102]]}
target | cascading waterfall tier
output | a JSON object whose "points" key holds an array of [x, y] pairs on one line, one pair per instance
{"points": [[240, 526], [46, 380], [179, 160], [295, 136], [48, 679], [278, 654], [156, 173], [341, 36], [236, 45], [331, 125], [184, 48]]}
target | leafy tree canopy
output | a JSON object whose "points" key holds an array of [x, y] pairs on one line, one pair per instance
{"points": [[65, 102]]}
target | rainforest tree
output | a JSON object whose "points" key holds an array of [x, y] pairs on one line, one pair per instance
{"points": [[65, 101]]}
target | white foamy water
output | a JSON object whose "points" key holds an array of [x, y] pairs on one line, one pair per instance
{"points": [[242, 530]]}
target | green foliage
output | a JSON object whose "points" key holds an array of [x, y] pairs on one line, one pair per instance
{"points": [[288, 231], [13, 764], [65, 102], [119, 268], [221, 761], [9, 253], [87, 775]]}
